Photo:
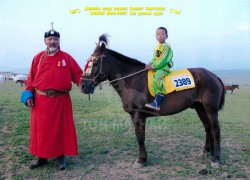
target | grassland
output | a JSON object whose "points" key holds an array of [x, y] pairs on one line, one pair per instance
{"points": [[108, 147]]}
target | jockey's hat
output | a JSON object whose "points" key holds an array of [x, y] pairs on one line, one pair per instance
{"points": [[51, 32]]}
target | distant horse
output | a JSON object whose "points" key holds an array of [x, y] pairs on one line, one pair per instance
{"points": [[231, 88], [21, 82], [207, 98]]}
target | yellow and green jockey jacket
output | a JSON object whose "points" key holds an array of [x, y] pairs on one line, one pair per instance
{"points": [[161, 63], [162, 57]]}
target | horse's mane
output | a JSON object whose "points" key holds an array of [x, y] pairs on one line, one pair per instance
{"points": [[104, 38], [121, 57]]}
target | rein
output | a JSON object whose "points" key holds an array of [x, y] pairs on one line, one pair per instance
{"points": [[118, 79]]}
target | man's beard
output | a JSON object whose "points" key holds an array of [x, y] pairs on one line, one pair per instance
{"points": [[52, 48]]}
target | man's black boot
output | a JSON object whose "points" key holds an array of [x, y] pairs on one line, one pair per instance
{"points": [[40, 162], [62, 162]]}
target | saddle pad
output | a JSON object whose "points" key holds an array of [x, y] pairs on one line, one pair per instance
{"points": [[177, 80]]}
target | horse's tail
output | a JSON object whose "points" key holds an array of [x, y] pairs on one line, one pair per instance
{"points": [[222, 100]]}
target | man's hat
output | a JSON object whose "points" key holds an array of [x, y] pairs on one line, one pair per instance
{"points": [[51, 32]]}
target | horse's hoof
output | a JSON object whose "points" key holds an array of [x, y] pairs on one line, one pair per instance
{"points": [[203, 154], [215, 165], [137, 165], [203, 172]]}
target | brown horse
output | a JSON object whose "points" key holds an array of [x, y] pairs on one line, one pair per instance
{"points": [[231, 88], [129, 79], [21, 82]]}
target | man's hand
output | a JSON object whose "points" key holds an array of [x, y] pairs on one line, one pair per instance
{"points": [[30, 102]]}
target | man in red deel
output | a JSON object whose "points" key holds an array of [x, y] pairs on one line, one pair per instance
{"points": [[52, 129]]}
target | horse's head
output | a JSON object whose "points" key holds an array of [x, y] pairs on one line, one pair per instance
{"points": [[95, 71]]}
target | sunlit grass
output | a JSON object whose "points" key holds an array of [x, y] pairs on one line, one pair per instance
{"points": [[107, 143]]}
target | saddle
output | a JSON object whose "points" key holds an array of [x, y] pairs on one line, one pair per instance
{"points": [[177, 80]]}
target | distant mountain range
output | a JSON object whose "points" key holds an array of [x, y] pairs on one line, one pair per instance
{"points": [[21, 70], [239, 76]]}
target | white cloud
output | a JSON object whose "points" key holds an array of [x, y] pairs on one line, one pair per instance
{"points": [[2, 53], [7, 23], [23, 50], [239, 28]]}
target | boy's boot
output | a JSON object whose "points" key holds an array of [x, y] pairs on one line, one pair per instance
{"points": [[156, 104]]}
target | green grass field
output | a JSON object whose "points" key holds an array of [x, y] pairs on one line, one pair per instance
{"points": [[108, 146]]}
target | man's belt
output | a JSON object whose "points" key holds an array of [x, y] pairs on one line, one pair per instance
{"points": [[51, 93]]}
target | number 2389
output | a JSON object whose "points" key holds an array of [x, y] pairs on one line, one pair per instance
{"points": [[182, 82]]}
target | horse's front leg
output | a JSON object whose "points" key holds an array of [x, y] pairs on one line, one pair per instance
{"points": [[139, 125]]}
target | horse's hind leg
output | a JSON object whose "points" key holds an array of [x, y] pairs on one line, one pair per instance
{"points": [[215, 129], [139, 125], [206, 123]]}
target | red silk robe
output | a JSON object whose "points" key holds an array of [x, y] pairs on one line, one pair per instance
{"points": [[52, 130]]}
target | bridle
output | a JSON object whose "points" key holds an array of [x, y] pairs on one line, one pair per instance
{"points": [[95, 58], [101, 57]]}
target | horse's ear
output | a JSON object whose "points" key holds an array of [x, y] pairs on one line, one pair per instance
{"points": [[103, 47]]}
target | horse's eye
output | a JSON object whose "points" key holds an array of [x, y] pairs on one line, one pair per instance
{"points": [[95, 62]]}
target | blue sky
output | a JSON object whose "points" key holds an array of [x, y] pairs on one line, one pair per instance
{"points": [[214, 34]]}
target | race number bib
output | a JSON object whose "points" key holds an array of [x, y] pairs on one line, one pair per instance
{"points": [[182, 81]]}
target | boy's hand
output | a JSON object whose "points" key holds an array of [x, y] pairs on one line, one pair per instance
{"points": [[149, 67]]}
